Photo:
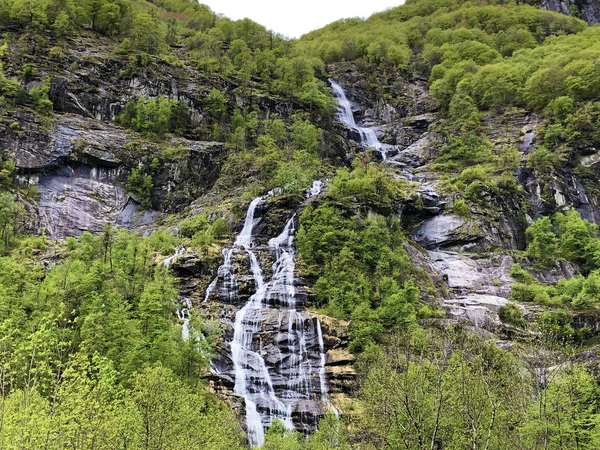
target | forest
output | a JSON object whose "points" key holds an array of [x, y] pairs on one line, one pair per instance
{"points": [[93, 352]]}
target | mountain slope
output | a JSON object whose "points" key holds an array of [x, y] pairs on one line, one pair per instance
{"points": [[162, 243]]}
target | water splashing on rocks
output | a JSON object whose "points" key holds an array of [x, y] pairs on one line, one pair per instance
{"points": [[281, 376], [368, 137]]}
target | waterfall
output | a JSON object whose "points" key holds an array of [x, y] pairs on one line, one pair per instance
{"points": [[316, 189], [368, 138], [179, 251], [183, 313], [225, 273], [285, 378]]}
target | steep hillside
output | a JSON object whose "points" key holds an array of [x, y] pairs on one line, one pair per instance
{"points": [[382, 234]]}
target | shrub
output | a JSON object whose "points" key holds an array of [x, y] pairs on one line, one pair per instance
{"points": [[155, 115], [512, 314], [520, 274], [461, 208], [542, 243], [39, 95], [141, 185], [192, 225]]}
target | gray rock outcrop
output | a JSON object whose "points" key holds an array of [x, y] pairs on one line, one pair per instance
{"points": [[588, 10]]}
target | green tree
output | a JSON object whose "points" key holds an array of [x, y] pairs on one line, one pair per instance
{"points": [[147, 33], [141, 185], [565, 412], [542, 243], [29, 12], [216, 104], [11, 213]]}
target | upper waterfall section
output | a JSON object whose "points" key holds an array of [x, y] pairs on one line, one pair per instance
{"points": [[368, 137]]}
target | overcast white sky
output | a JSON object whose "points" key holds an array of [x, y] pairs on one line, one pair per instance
{"points": [[293, 18]]}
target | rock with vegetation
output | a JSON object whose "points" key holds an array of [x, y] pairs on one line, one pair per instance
{"points": [[447, 290]]}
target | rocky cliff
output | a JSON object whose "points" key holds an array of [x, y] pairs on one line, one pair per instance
{"points": [[81, 161], [472, 253], [588, 10]]}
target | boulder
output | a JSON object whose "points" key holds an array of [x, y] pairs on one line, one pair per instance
{"points": [[444, 231]]}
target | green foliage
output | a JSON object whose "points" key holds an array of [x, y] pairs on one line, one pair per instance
{"points": [[567, 236], [297, 174], [91, 409], [520, 274], [91, 356], [511, 314], [542, 243], [368, 184], [8, 88], [305, 135], [216, 104], [147, 33], [530, 293], [363, 270], [11, 213], [7, 169], [557, 326], [279, 438], [330, 436], [565, 415], [39, 95], [202, 232], [274, 153], [544, 161], [169, 414], [461, 208], [140, 184], [155, 115], [443, 387], [105, 297], [460, 391]]}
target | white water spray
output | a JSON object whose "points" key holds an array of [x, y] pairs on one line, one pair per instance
{"points": [[368, 138], [298, 374]]}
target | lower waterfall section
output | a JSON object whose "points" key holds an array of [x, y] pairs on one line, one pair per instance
{"points": [[276, 354]]}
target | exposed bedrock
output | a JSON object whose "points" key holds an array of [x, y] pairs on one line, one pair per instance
{"points": [[81, 166]]}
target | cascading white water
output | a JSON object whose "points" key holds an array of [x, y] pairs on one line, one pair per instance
{"points": [[368, 138], [183, 313], [252, 379], [244, 239], [274, 390], [316, 189], [179, 251], [225, 271]]}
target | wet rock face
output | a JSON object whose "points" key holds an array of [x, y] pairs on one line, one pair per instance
{"points": [[274, 352], [76, 199], [281, 335], [588, 9], [564, 191], [77, 174], [81, 165], [444, 231], [94, 82], [282, 360], [478, 286], [278, 342]]}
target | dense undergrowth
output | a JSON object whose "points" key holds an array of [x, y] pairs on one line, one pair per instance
{"points": [[434, 388], [354, 246], [90, 352]]}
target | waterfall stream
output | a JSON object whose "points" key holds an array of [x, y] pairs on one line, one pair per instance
{"points": [[281, 376], [368, 138]]}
